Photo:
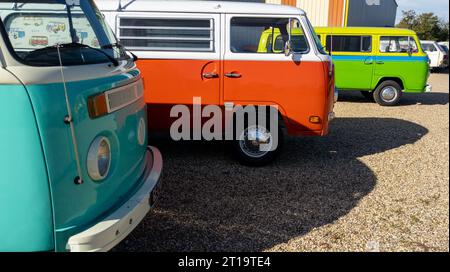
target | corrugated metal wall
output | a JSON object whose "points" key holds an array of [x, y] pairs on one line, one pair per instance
{"points": [[289, 2], [273, 1], [379, 13], [336, 13], [317, 11], [333, 12]]}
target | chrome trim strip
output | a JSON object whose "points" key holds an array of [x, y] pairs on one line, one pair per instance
{"points": [[165, 38], [167, 28]]}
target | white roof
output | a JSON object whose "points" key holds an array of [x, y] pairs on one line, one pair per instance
{"points": [[197, 7]]}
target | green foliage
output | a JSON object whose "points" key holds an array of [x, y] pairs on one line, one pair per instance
{"points": [[428, 26]]}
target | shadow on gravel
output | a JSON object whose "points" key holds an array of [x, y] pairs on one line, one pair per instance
{"points": [[408, 99], [440, 71], [211, 203]]}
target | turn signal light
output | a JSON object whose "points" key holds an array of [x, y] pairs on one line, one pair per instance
{"points": [[314, 119], [97, 106]]}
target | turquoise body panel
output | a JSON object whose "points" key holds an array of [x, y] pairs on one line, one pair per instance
{"points": [[365, 72], [78, 207], [26, 221]]}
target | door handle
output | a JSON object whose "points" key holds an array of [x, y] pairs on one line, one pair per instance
{"points": [[380, 62], [233, 75], [368, 61], [210, 75]]}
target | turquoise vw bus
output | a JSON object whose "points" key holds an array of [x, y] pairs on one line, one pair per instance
{"points": [[76, 171]]}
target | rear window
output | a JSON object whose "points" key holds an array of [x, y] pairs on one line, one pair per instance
{"points": [[397, 44], [341, 43], [154, 34]]}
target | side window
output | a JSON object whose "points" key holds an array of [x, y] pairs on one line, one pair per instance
{"points": [[397, 44], [428, 47], [266, 35], [342, 43], [156, 34]]}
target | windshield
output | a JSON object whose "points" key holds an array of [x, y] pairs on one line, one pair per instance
{"points": [[319, 45], [444, 48], [35, 27]]}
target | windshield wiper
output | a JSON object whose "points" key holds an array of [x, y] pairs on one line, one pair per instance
{"points": [[112, 45], [80, 45], [120, 47]]}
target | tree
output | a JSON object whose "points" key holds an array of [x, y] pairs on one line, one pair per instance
{"points": [[409, 19], [428, 26]]}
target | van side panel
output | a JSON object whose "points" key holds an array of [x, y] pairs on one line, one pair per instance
{"points": [[411, 70], [26, 221], [299, 89], [354, 69]]}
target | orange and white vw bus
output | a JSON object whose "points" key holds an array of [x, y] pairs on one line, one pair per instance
{"points": [[209, 52]]}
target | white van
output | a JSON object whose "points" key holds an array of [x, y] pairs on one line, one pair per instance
{"points": [[213, 50], [438, 56]]}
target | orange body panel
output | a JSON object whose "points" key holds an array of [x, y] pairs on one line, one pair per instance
{"points": [[297, 88], [300, 90]]}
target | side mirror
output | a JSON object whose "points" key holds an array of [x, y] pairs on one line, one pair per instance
{"points": [[288, 48]]}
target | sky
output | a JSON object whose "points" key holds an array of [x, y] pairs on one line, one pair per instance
{"points": [[439, 7]]}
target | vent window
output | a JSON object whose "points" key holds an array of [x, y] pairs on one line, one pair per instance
{"points": [[151, 34]]}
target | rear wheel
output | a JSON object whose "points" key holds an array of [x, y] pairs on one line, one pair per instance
{"points": [[388, 93]]}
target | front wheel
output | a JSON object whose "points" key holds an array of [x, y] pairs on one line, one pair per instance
{"points": [[257, 146], [388, 93]]}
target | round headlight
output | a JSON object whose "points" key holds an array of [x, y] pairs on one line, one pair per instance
{"points": [[99, 158]]}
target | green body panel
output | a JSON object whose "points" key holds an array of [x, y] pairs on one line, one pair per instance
{"points": [[354, 72], [26, 221], [366, 72], [78, 207]]}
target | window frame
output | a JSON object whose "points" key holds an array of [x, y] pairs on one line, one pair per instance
{"points": [[9, 46], [271, 40], [229, 55]]}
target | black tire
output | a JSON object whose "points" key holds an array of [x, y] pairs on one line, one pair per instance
{"points": [[368, 95], [262, 159], [388, 93]]}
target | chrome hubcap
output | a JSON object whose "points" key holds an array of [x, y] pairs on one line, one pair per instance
{"points": [[255, 141], [389, 94]]}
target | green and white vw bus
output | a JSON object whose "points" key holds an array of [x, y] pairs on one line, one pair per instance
{"points": [[77, 174]]}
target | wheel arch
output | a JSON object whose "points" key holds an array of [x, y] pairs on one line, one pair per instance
{"points": [[395, 79]]}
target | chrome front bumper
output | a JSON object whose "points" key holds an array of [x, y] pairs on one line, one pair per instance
{"points": [[113, 229]]}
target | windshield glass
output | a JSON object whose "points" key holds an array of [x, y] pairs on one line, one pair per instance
{"points": [[319, 45], [443, 48], [35, 27]]}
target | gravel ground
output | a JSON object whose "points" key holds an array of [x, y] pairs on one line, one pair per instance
{"points": [[378, 182]]}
